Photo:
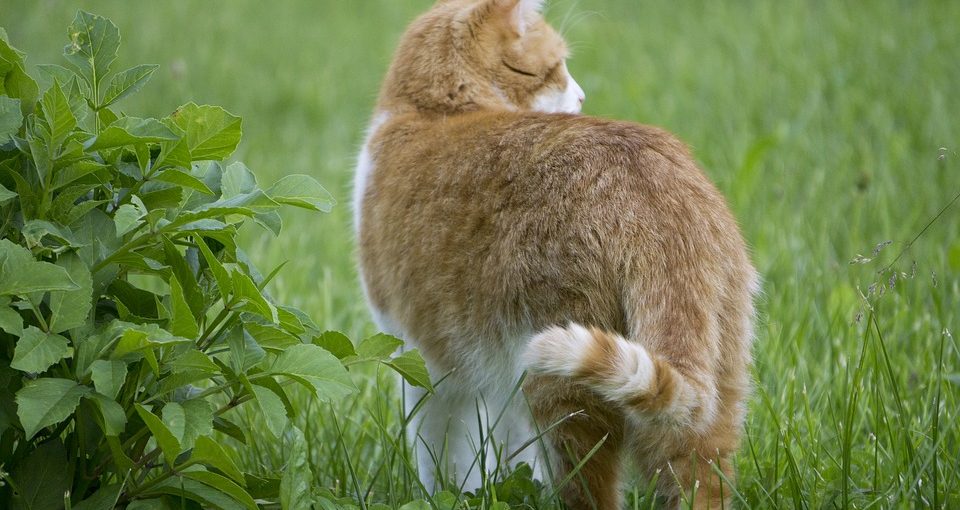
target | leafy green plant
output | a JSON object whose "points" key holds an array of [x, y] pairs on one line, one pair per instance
{"points": [[131, 322]]}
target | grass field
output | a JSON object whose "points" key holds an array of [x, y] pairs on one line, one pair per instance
{"points": [[832, 127]]}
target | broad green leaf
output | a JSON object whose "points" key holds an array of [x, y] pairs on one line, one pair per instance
{"points": [[418, 504], [78, 170], [127, 82], [74, 212], [270, 220], [77, 94], [123, 462], [131, 169], [337, 343], [254, 302], [71, 151], [224, 282], [209, 452], [16, 83], [181, 379], [175, 418], [94, 41], [254, 202], [35, 231], [249, 204], [184, 274], [143, 159], [183, 179], [314, 367], [52, 72], [139, 302], [42, 478], [91, 346], [29, 196], [56, 110], [237, 179], [99, 233], [271, 409], [225, 426], [105, 498], [5, 194], [294, 320], [168, 443], [73, 215], [165, 198], [130, 131], [205, 225], [20, 274], [194, 360], [128, 218], [40, 152], [212, 133], [262, 488], [245, 353], [199, 421], [10, 319], [175, 154], [271, 384], [70, 308], [410, 365], [297, 477], [36, 350], [106, 116], [9, 53], [182, 321], [108, 376], [270, 337], [47, 401], [136, 338], [224, 485], [379, 346], [113, 416], [11, 118], [302, 191], [182, 487]]}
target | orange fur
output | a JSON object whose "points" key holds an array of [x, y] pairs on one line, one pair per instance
{"points": [[488, 232]]}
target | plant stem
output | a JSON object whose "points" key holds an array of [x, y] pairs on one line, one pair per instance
{"points": [[127, 248]]}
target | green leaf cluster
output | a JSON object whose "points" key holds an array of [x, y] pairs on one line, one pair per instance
{"points": [[131, 321]]}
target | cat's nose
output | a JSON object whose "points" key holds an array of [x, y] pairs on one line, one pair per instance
{"points": [[582, 98]]}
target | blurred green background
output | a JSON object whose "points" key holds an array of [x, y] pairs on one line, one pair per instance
{"points": [[831, 126]]}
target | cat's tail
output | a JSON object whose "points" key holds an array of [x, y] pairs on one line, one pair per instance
{"points": [[621, 372]]}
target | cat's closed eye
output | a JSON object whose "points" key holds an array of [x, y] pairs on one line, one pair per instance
{"points": [[520, 71]]}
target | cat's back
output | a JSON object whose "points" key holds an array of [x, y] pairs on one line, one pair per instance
{"points": [[506, 159], [491, 215]]}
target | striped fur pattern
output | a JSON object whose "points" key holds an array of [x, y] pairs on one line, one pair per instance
{"points": [[501, 232], [620, 372]]}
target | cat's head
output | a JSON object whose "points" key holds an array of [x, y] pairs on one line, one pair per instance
{"points": [[469, 55]]}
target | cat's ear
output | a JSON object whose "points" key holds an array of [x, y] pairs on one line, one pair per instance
{"points": [[522, 12], [518, 14]]}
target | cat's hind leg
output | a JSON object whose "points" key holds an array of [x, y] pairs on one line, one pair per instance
{"points": [[583, 438]]}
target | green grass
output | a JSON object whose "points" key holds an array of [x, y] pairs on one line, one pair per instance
{"points": [[821, 121]]}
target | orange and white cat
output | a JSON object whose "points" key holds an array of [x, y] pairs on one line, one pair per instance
{"points": [[501, 232]]}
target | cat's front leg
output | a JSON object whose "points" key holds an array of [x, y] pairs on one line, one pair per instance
{"points": [[449, 434]]}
